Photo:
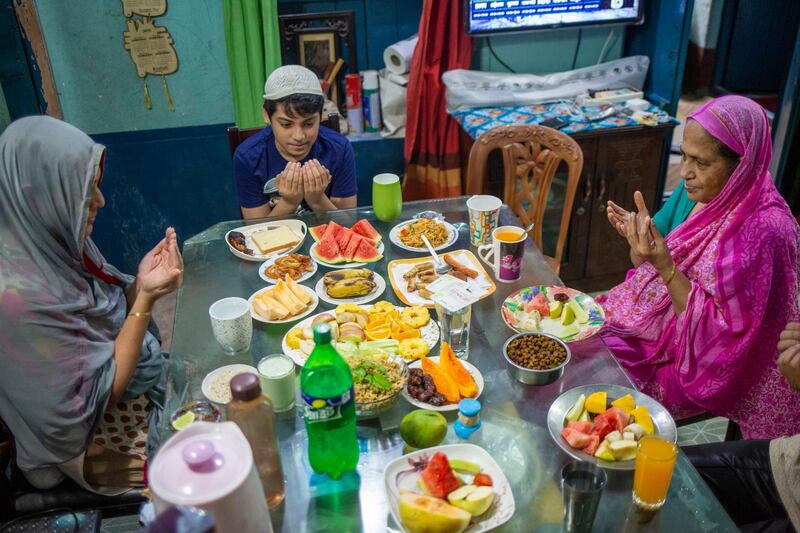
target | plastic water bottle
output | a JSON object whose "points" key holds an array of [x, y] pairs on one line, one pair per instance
{"points": [[372, 101], [252, 412], [326, 384]]}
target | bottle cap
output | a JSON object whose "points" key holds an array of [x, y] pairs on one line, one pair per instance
{"points": [[322, 333], [245, 387], [469, 407]]}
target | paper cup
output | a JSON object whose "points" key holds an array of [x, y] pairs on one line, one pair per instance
{"points": [[232, 324], [484, 211]]}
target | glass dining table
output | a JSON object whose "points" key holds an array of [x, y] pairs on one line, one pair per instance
{"points": [[514, 415]]}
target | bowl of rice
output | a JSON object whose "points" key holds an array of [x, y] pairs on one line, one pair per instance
{"points": [[216, 385], [378, 381]]}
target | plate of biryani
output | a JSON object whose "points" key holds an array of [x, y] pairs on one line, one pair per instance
{"points": [[378, 380], [408, 235]]}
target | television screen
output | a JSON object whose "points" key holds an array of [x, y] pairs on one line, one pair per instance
{"points": [[495, 16]]}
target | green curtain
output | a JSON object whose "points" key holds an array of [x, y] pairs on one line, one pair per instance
{"points": [[253, 43]]}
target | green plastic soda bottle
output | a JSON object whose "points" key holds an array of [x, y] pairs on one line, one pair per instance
{"points": [[326, 385]]}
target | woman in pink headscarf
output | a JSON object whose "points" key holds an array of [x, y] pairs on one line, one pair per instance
{"points": [[696, 323]]}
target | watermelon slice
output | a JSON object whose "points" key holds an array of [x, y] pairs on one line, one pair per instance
{"points": [[617, 418], [594, 443], [332, 229], [352, 246], [366, 252], [438, 478], [575, 438], [583, 427], [327, 251], [539, 303], [602, 427], [317, 232], [343, 238], [365, 229]]}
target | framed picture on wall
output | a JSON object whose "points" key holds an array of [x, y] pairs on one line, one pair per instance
{"points": [[318, 51], [317, 40]]}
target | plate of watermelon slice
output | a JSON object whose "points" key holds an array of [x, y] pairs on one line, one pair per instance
{"points": [[607, 434], [337, 246]]}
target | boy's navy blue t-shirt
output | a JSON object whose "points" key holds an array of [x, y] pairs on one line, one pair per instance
{"points": [[257, 161]]}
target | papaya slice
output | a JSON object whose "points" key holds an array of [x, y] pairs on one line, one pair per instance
{"points": [[442, 380], [452, 366]]}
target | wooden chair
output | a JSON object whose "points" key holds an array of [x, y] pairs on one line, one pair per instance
{"points": [[237, 136], [531, 157]]}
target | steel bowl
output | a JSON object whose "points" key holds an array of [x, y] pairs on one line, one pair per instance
{"points": [[530, 376]]}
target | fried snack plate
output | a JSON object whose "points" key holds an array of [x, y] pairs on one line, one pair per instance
{"points": [[430, 332], [262, 270], [452, 237], [474, 372], [395, 270], [380, 286], [308, 310], [297, 226]]}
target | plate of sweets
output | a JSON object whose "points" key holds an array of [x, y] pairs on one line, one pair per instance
{"points": [[259, 242], [603, 424], [457, 488], [286, 301], [381, 328], [408, 235], [565, 313], [439, 383], [339, 247], [297, 266]]}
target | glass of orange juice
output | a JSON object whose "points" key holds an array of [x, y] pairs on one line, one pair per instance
{"points": [[655, 460]]}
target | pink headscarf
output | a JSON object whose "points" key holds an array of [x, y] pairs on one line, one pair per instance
{"points": [[740, 253]]}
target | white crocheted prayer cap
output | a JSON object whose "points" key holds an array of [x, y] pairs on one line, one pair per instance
{"points": [[291, 79]]}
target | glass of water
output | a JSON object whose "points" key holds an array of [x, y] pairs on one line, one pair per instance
{"points": [[455, 328]]}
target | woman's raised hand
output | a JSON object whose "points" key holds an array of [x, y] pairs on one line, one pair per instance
{"points": [[161, 270], [646, 241], [617, 215]]}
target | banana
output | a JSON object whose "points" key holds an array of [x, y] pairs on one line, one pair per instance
{"points": [[350, 288], [347, 273]]}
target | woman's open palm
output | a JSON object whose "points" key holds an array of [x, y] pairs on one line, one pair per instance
{"points": [[161, 270]]}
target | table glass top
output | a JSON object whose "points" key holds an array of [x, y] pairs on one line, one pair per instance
{"points": [[514, 414]]}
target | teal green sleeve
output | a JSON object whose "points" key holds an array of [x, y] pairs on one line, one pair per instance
{"points": [[674, 212]]}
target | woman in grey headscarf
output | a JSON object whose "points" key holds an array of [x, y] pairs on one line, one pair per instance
{"points": [[81, 368]]}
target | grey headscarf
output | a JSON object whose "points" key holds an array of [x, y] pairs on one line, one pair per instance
{"points": [[58, 321]]}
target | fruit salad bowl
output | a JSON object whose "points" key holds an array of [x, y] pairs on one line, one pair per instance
{"points": [[663, 424]]}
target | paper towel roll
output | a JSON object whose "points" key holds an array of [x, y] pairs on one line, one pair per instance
{"points": [[398, 56]]}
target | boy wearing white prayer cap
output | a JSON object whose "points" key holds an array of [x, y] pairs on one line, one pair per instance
{"points": [[314, 167]]}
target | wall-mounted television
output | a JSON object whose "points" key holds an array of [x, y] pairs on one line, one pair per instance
{"points": [[485, 17]]}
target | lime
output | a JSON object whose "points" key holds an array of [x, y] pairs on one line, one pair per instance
{"points": [[183, 421]]}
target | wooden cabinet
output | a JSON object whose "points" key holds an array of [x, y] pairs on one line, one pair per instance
{"points": [[616, 164]]}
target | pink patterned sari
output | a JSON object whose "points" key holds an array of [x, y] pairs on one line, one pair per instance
{"points": [[740, 254]]}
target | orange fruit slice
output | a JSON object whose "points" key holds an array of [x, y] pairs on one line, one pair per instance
{"points": [[378, 334], [413, 334]]}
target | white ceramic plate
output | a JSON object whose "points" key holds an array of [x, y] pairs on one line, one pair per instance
{"points": [[662, 420], [430, 332], [262, 270], [309, 308], [297, 226], [380, 286], [381, 248], [394, 236], [474, 372], [499, 513], [205, 386]]}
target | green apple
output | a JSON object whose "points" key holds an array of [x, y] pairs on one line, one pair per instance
{"points": [[567, 315], [623, 450], [604, 452], [422, 428], [473, 499], [577, 310], [425, 514], [555, 309]]}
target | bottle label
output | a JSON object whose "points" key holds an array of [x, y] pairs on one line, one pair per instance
{"points": [[325, 409]]}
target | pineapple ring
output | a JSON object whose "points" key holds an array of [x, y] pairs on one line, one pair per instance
{"points": [[293, 338], [382, 307], [348, 308], [413, 349], [416, 316]]}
